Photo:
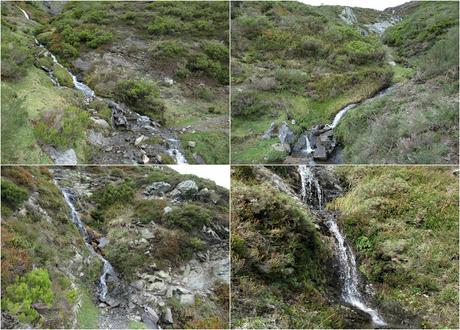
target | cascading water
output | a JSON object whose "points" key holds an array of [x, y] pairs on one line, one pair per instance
{"points": [[89, 94], [308, 181], [347, 261], [107, 268]]}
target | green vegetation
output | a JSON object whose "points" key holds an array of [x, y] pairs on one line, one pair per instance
{"points": [[279, 259], [88, 314], [403, 222], [188, 217], [32, 288], [417, 123], [12, 195], [62, 76], [296, 62]]}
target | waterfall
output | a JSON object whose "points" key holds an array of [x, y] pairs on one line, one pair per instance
{"points": [[308, 149], [175, 153], [107, 268], [309, 181], [87, 91], [349, 275], [340, 114], [347, 261]]}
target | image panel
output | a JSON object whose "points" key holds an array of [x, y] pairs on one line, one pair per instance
{"points": [[344, 247], [115, 82], [317, 83], [126, 247]]}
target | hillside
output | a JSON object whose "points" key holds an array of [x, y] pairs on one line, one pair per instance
{"points": [[344, 247], [118, 247], [149, 82], [309, 83]]}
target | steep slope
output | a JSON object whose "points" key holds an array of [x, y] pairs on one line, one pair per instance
{"points": [[120, 247], [166, 61], [335, 247], [417, 122]]}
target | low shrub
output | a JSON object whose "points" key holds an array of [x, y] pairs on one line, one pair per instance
{"points": [[34, 287], [248, 105], [12, 195], [111, 194], [62, 128], [142, 95], [188, 216], [149, 210]]}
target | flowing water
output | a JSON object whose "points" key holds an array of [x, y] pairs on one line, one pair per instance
{"points": [[89, 95], [347, 261], [107, 269]]}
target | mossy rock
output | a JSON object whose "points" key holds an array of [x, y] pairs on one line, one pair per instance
{"points": [[62, 76]]}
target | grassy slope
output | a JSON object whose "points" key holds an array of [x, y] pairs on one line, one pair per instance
{"points": [[185, 41], [403, 223], [279, 261], [417, 122], [30, 240], [297, 61], [28, 95]]}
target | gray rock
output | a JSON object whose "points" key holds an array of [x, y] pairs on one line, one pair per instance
{"points": [[163, 275], [167, 209], [187, 187], [269, 132], [300, 144], [191, 144], [282, 147], [138, 284], [348, 16], [187, 299], [285, 134], [169, 292], [157, 189], [167, 316], [167, 81], [157, 287], [139, 140], [96, 138], [320, 153], [68, 157], [146, 233], [151, 315], [100, 123]]}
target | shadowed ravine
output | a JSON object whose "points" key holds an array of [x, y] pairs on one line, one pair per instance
{"points": [[312, 194], [128, 125]]}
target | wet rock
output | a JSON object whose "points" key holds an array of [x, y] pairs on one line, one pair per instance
{"points": [[185, 188], [157, 189], [300, 144], [187, 299], [320, 153], [167, 316], [285, 134], [269, 132], [112, 302], [100, 123]]}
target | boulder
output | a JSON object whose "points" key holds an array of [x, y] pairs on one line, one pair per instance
{"points": [[191, 144], [139, 140], [269, 132], [282, 147], [167, 209], [320, 153], [146, 233], [151, 315], [300, 144], [185, 188], [163, 275], [167, 316], [68, 157], [159, 287], [285, 134], [138, 284], [157, 189], [96, 138], [100, 123]]}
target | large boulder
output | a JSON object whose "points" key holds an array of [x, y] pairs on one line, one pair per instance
{"points": [[269, 132], [157, 189], [185, 189], [285, 134]]}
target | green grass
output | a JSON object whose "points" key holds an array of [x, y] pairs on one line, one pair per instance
{"points": [[88, 314], [211, 146], [408, 217]]}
